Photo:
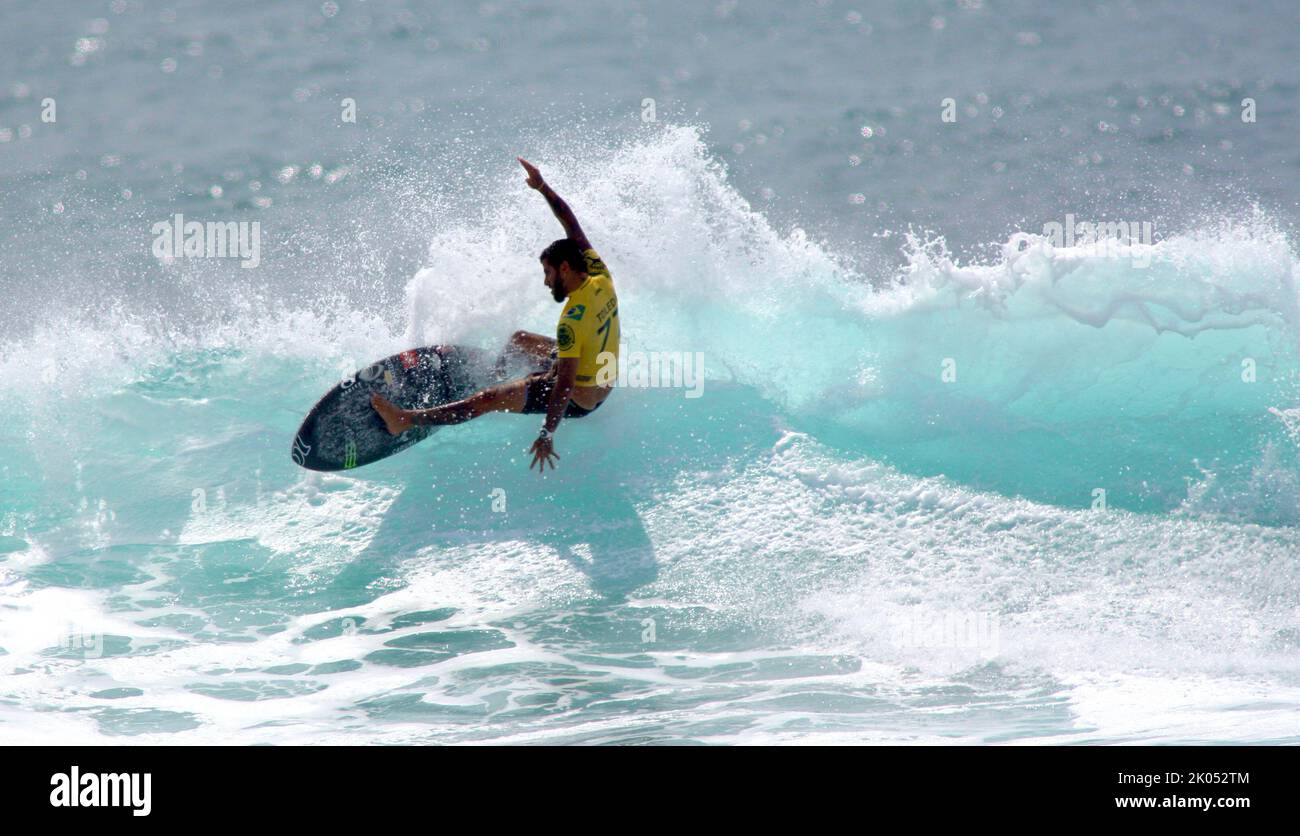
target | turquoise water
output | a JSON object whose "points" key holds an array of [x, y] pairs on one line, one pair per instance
{"points": [[946, 480]]}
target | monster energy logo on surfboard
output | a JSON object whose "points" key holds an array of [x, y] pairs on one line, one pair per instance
{"points": [[350, 455]]}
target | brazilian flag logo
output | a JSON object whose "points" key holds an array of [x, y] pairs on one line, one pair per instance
{"points": [[575, 313], [564, 337]]}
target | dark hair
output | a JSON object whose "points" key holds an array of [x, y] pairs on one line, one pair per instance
{"points": [[565, 251]]}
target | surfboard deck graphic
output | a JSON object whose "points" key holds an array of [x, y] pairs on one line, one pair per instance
{"points": [[343, 431]]}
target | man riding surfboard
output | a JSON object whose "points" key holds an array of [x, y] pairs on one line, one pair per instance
{"points": [[586, 338]]}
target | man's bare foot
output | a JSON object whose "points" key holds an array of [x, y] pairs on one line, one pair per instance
{"points": [[395, 418]]}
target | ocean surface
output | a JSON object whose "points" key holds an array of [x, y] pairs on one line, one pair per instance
{"points": [[947, 479]]}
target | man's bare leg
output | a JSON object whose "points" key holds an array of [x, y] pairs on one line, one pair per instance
{"points": [[508, 397], [526, 345]]}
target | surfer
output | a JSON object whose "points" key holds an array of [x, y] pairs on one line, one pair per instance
{"points": [[586, 338]]}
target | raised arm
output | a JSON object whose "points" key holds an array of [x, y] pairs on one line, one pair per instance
{"points": [[563, 213]]}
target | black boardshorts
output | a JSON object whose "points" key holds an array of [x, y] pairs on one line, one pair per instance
{"points": [[538, 397]]}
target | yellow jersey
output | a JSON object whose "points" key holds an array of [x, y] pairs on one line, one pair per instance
{"points": [[588, 327]]}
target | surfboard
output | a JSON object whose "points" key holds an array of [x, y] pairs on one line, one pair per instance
{"points": [[343, 431]]}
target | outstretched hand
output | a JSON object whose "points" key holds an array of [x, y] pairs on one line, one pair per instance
{"points": [[543, 451], [534, 176]]}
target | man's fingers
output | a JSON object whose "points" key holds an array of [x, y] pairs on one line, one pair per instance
{"points": [[534, 176], [542, 457]]}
